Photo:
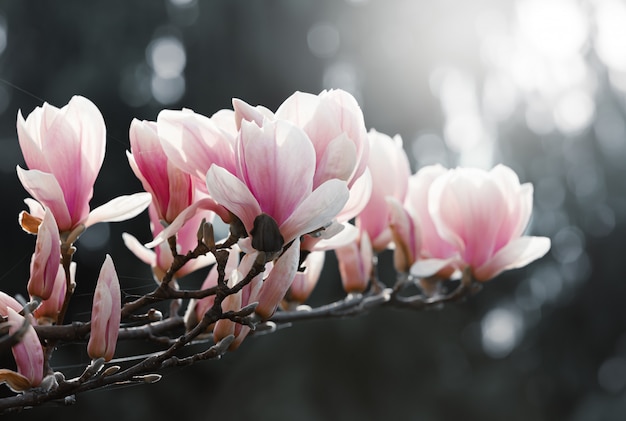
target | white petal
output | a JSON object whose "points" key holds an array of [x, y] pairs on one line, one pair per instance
{"points": [[180, 220], [317, 210], [119, 209], [428, 267], [144, 254]]}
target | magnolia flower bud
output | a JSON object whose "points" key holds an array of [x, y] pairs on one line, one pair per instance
{"points": [[105, 313], [44, 264]]}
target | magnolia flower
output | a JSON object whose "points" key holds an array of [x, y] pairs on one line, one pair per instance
{"points": [[44, 264], [172, 189], [356, 264], [334, 124], [481, 215], [390, 170], [64, 149], [105, 313], [28, 353], [273, 193], [192, 143]]}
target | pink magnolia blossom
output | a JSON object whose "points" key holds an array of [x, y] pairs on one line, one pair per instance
{"points": [[44, 264], [356, 264], [64, 149], [28, 353], [105, 313], [481, 215], [172, 189], [275, 171], [334, 124], [390, 170]]}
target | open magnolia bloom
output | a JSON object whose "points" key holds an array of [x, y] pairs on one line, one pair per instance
{"points": [[64, 150], [478, 219], [272, 192], [334, 123]]}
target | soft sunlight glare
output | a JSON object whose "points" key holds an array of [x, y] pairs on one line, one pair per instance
{"points": [[167, 90], [166, 55], [501, 331], [610, 40], [556, 28], [323, 40]]}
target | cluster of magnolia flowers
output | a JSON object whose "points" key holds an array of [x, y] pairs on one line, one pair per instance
{"points": [[291, 185]]}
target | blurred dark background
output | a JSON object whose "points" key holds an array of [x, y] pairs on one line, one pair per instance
{"points": [[539, 86]]}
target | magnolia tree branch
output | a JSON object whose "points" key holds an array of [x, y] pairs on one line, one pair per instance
{"points": [[173, 334]]}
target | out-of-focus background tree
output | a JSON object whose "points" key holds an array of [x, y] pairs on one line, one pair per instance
{"points": [[537, 85]]}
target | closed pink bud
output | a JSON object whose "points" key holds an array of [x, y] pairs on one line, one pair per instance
{"points": [[355, 264], [44, 264], [279, 280], [406, 236], [105, 313], [304, 282], [28, 353]]}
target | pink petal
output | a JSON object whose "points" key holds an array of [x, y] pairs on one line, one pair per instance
{"points": [[233, 194], [278, 281], [144, 254], [317, 210], [30, 140], [468, 210], [246, 112], [28, 353], [277, 180], [105, 313], [337, 161], [194, 142], [516, 254], [45, 188], [359, 196]]}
